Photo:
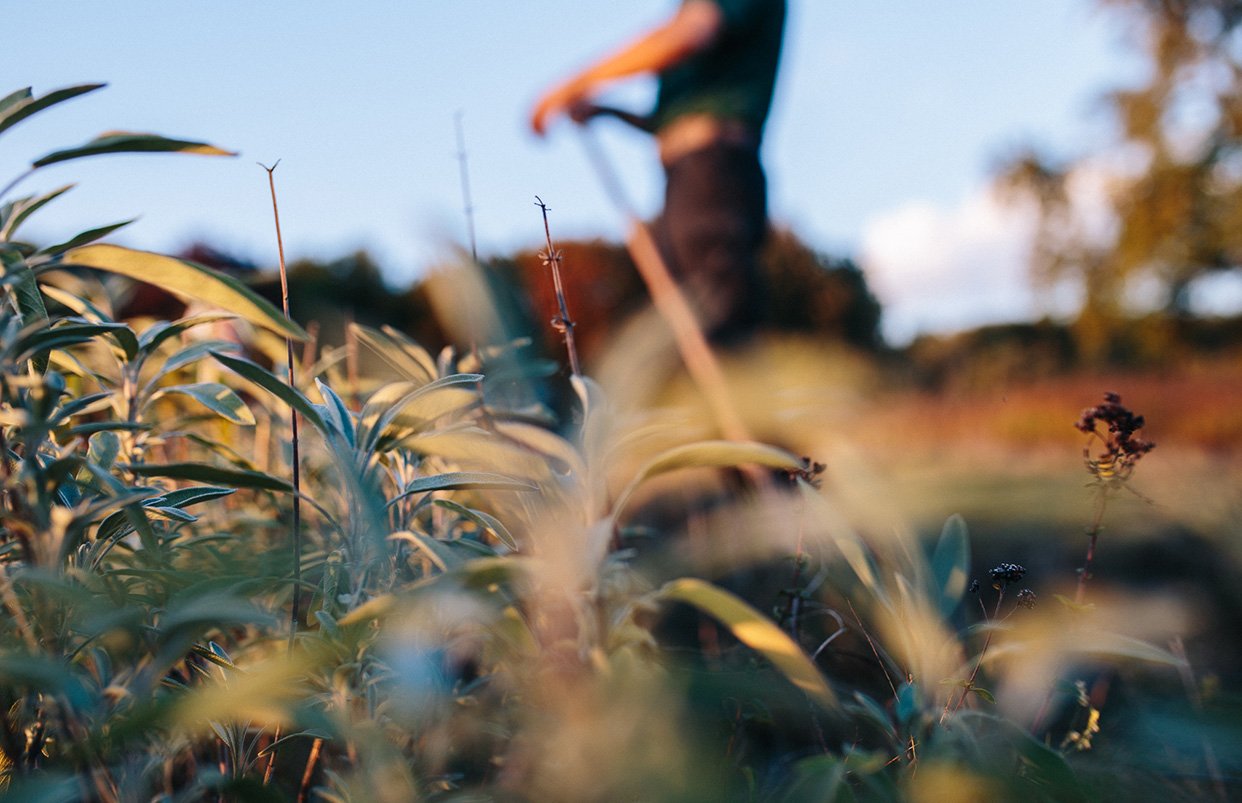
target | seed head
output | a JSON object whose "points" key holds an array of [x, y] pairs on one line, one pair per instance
{"points": [[809, 473], [1119, 425], [1006, 573]]}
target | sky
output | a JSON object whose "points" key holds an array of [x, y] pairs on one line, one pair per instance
{"points": [[889, 121]]}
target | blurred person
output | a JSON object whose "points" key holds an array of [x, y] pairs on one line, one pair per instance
{"points": [[716, 61]]}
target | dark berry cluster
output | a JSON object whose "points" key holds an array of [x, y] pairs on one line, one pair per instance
{"points": [[1002, 576], [1122, 449], [1006, 573]]}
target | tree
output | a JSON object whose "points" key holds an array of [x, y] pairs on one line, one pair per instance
{"points": [[1176, 200]]}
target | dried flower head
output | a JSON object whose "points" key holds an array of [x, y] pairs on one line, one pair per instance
{"points": [[1006, 573], [974, 586], [1115, 426], [1026, 598], [809, 473]]}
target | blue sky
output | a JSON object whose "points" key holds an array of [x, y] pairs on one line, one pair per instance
{"points": [[883, 109]]}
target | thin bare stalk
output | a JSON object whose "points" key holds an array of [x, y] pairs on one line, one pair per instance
{"points": [[297, 473], [563, 323], [293, 417], [987, 642], [970, 681], [874, 651], [1093, 534], [467, 206], [304, 789]]}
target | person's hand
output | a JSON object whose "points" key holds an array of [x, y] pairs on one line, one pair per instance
{"points": [[565, 99]]}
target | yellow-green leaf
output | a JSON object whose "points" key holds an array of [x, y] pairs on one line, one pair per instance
{"points": [[709, 454], [1076, 607], [187, 279], [218, 398], [131, 142], [755, 631], [375, 608]]}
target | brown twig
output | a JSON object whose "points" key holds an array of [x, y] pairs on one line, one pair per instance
{"points": [[297, 475], [1093, 534], [304, 789], [874, 651], [970, 681], [563, 323], [297, 478]]}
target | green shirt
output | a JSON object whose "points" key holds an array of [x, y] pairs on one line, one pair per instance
{"points": [[733, 79]]}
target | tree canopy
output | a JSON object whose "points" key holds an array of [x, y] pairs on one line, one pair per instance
{"points": [[1173, 175]]}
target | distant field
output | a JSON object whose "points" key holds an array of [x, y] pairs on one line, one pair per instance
{"points": [[1014, 453]]}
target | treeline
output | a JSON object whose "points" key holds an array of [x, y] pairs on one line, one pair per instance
{"points": [[809, 294]]}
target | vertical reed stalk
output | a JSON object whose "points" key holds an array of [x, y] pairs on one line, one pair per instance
{"points": [[467, 205], [293, 416], [304, 788], [297, 472], [562, 322], [1093, 534]]}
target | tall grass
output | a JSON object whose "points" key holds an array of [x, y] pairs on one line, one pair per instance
{"points": [[502, 606]]}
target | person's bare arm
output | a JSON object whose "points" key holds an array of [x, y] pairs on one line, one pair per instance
{"points": [[693, 29]]}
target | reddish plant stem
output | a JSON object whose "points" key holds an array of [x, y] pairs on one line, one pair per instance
{"points": [[297, 474], [304, 789], [293, 416], [970, 681], [562, 322], [1093, 533], [874, 651]]}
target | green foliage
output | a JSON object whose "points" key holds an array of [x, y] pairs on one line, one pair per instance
{"points": [[476, 625]]}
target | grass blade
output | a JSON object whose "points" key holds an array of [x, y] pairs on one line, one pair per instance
{"points": [[188, 279], [755, 631]]}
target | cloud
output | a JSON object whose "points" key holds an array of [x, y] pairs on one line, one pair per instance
{"points": [[943, 268], [938, 268]]}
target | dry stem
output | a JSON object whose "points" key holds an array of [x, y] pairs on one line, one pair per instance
{"points": [[297, 475], [562, 322]]}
